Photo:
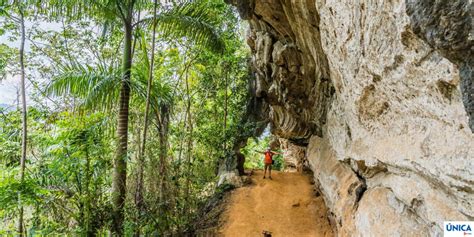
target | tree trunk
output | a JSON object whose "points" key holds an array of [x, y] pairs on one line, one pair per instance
{"points": [[23, 118], [141, 159], [165, 198], [89, 229], [225, 108], [190, 146], [185, 72], [164, 125], [120, 161]]}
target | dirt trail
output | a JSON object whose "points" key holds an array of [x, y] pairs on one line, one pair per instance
{"points": [[285, 206]]}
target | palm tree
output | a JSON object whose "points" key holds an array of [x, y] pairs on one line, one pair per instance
{"points": [[186, 19]]}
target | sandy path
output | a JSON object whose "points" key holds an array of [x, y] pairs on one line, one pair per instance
{"points": [[285, 206]]}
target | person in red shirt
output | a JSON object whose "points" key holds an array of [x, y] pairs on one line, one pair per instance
{"points": [[268, 161]]}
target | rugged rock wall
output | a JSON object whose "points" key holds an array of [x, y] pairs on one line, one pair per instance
{"points": [[294, 156], [448, 26], [375, 91]]}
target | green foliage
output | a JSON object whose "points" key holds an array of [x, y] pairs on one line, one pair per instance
{"points": [[96, 86], [6, 55], [10, 138], [77, 165], [198, 102], [76, 10], [11, 187], [194, 20], [254, 159], [69, 168]]}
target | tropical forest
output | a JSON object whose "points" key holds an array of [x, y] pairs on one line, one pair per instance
{"points": [[124, 110], [236, 117]]}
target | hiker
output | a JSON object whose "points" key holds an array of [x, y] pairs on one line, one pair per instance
{"points": [[268, 161]]}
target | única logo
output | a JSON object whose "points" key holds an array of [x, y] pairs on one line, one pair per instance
{"points": [[458, 228]]}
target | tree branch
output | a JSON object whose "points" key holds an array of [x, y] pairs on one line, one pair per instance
{"points": [[122, 15]]}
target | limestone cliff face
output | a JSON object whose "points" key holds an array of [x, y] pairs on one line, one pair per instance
{"points": [[378, 94]]}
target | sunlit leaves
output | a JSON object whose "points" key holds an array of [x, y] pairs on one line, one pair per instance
{"points": [[6, 56], [193, 20], [97, 87], [71, 144], [11, 187]]}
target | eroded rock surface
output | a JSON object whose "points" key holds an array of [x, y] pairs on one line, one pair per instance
{"points": [[294, 156], [290, 66], [380, 94], [448, 27]]}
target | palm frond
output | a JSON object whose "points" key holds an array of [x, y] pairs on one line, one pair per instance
{"points": [[77, 9], [161, 92], [96, 87], [194, 20]]}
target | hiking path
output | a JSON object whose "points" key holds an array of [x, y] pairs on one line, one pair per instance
{"points": [[285, 206]]}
